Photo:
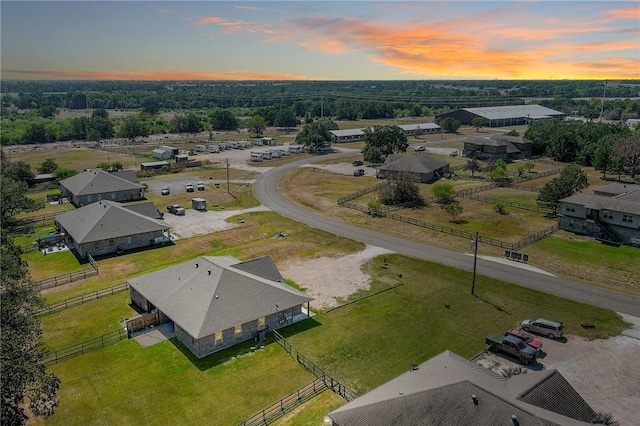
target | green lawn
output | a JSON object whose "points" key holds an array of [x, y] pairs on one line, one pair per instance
{"points": [[125, 384], [53, 264], [371, 341], [312, 412], [86, 321]]}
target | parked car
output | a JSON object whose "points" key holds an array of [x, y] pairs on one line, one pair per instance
{"points": [[544, 327], [200, 186], [419, 148], [357, 163], [454, 153], [525, 337], [165, 190], [189, 187], [358, 172], [176, 209], [512, 346]]}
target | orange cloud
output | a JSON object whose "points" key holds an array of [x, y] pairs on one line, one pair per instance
{"points": [[158, 75], [618, 14]]}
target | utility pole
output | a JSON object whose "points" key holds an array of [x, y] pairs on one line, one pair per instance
{"points": [[474, 245], [321, 105], [228, 192]]}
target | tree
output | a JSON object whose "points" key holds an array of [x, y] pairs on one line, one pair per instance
{"points": [[443, 193], [47, 166], [256, 124], [478, 123], [401, 189], [529, 166], [315, 136], [100, 112], [473, 165], [36, 133], [571, 180], [629, 148], [383, 141], [286, 117], [18, 171], [512, 132], [132, 126], [499, 172], [602, 159], [223, 119], [450, 125], [63, 173], [26, 385], [151, 104], [454, 209]]}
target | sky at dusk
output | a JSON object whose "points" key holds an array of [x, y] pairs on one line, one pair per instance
{"points": [[319, 40]]}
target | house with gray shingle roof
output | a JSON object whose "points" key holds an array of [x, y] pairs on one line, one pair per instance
{"points": [[612, 212], [497, 146], [423, 167], [107, 227], [218, 302], [95, 185], [450, 390]]}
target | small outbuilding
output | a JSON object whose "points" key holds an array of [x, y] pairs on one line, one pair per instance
{"points": [[423, 167], [199, 204]]}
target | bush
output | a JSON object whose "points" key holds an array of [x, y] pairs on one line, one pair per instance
{"points": [[498, 207]]}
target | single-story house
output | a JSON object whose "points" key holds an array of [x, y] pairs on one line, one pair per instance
{"points": [[604, 217], [108, 227], [218, 302], [498, 116], [450, 390], [96, 184], [497, 146], [348, 135], [424, 167]]}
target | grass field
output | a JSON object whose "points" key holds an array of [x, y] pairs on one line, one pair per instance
{"points": [[364, 344], [164, 384], [73, 158], [313, 412]]}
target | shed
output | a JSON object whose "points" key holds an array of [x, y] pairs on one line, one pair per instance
{"points": [[268, 141], [161, 154], [153, 165], [182, 158]]}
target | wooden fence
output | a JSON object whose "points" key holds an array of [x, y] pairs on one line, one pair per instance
{"points": [[83, 298], [59, 280], [90, 345], [331, 383], [33, 221], [286, 404]]}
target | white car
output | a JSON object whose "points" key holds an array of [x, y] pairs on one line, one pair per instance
{"points": [[419, 148], [189, 187], [200, 186]]}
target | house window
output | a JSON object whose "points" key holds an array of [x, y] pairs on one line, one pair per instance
{"points": [[128, 240], [113, 196], [627, 218], [238, 331], [569, 209], [89, 198], [261, 323], [218, 337], [607, 215], [99, 197]]}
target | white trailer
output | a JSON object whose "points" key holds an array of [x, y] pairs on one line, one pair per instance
{"points": [[213, 148], [256, 156], [201, 148], [275, 153], [296, 149], [266, 155]]}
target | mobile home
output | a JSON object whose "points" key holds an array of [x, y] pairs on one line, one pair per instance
{"points": [[256, 156], [213, 148]]}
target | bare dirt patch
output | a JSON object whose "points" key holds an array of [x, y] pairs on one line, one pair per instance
{"points": [[328, 278]]}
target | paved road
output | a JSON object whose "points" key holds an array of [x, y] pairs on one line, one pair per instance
{"points": [[266, 190]]}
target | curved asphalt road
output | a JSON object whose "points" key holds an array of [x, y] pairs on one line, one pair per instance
{"points": [[266, 190]]}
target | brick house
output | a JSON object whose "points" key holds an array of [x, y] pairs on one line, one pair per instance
{"points": [[218, 302], [107, 227], [96, 185]]}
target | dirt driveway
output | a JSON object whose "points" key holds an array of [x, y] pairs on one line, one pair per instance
{"points": [[605, 372], [204, 222]]}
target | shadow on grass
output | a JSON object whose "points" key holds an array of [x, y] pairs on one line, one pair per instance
{"points": [[131, 251], [497, 307], [241, 349]]}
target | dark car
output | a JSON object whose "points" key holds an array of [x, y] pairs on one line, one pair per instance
{"points": [[357, 163], [358, 172], [176, 209]]}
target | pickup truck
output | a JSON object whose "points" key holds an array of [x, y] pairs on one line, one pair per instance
{"points": [[176, 209], [189, 187], [512, 346]]}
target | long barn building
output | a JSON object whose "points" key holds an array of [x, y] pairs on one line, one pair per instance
{"points": [[499, 116]]}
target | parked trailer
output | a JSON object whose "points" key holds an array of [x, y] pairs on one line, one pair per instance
{"points": [[243, 144], [256, 156], [201, 148], [275, 153], [233, 144], [266, 155], [296, 149], [213, 148]]}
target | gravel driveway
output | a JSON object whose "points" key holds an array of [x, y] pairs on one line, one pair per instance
{"points": [[204, 222], [605, 372]]}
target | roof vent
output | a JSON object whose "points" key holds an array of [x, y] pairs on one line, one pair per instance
{"points": [[209, 271], [217, 296], [514, 419], [197, 265], [475, 399]]}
